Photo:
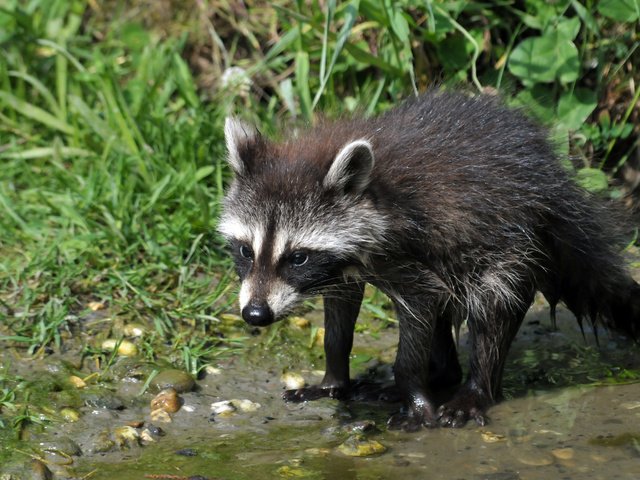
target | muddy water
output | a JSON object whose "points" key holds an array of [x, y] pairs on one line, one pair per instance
{"points": [[548, 428]]}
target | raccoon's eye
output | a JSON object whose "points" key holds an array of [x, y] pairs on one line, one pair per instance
{"points": [[246, 251], [298, 259]]}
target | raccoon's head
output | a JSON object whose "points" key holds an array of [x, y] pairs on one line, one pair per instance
{"points": [[297, 217]]}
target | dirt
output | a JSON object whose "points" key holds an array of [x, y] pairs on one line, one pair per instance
{"points": [[569, 413]]}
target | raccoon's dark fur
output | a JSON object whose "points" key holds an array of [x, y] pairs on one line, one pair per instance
{"points": [[455, 206]]}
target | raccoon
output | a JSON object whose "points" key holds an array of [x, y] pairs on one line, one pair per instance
{"points": [[455, 206]]}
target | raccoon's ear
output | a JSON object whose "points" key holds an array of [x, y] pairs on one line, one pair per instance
{"points": [[239, 137], [351, 168]]}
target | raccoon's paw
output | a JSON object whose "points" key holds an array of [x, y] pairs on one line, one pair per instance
{"points": [[314, 392], [413, 418], [465, 405]]}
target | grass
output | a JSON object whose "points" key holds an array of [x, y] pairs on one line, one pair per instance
{"points": [[111, 136]]}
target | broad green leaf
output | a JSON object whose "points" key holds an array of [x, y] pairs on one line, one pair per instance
{"points": [[575, 107], [620, 10], [568, 28], [592, 179], [544, 59]]}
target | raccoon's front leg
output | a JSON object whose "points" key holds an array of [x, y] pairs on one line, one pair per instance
{"points": [[411, 369], [341, 308]]}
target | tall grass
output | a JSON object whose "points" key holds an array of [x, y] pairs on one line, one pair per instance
{"points": [[110, 123], [111, 178]]}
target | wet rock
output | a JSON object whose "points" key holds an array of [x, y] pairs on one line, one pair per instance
{"points": [[131, 370], [299, 322], [535, 457], [359, 446], [77, 382], [245, 405], [508, 475], [177, 379], [223, 408], [563, 453], [211, 370], [126, 437], [63, 446], [490, 437], [160, 416], [167, 400], [187, 452], [103, 443], [133, 330], [361, 426], [39, 471], [105, 400], [70, 415], [292, 380], [125, 347]]}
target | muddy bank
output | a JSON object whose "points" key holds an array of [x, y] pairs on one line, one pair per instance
{"points": [[234, 425]]}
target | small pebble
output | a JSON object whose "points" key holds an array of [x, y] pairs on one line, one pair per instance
{"points": [[39, 471], [358, 446], [490, 437], [125, 349], [535, 458], [95, 306], [126, 437], [187, 452], [69, 414], [160, 416], [563, 453], [77, 381], [292, 380], [133, 330], [179, 380], [223, 408], [167, 400], [299, 322], [245, 405]]}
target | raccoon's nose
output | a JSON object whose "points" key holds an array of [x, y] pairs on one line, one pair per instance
{"points": [[258, 314]]}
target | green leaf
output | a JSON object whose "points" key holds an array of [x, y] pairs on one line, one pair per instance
{"points": [[592, 179], [538, 101], [574, 107], [620, 10], [544, 59], [568, 28]]}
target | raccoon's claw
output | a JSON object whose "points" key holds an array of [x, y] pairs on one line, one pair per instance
{"points": [[314, 392], [409, 422], [413, 418], [461, 409]]}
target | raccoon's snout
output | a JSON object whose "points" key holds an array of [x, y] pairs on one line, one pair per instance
{"points": [[257, 314]]}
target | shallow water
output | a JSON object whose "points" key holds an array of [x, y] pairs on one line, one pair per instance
{"points": [[548, 429]]}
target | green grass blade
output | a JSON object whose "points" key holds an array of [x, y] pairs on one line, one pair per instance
{"points": [[35, 113]]}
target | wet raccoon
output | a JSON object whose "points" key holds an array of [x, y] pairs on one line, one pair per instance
{"points": [[456, 207]]}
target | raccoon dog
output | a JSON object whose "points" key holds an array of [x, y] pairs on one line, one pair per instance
{"points": [[456, 207]]}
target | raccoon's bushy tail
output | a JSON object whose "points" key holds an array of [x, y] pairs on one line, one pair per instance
{"points": [[589, 276]]}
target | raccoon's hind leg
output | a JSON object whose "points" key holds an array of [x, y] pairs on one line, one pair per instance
{"points": [[491, 331], [341, 308]]}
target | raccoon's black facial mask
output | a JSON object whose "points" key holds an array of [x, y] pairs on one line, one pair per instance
{"points": [[309, 270]]}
